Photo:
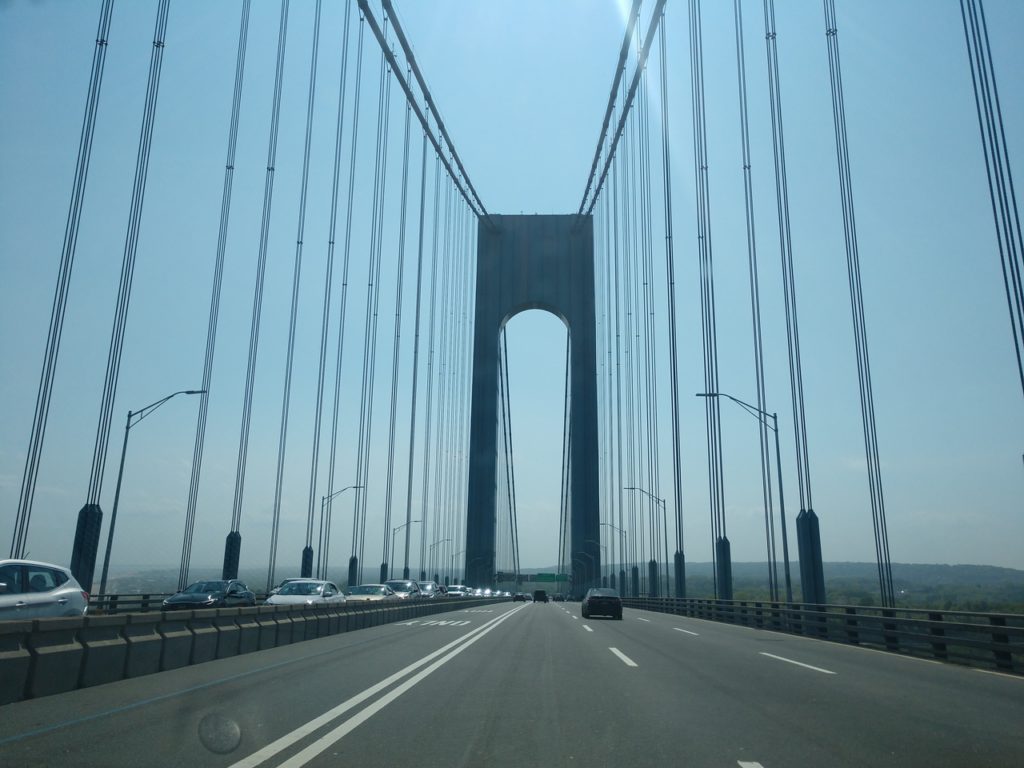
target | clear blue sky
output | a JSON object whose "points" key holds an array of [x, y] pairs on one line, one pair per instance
{"points": [[522, 86]]}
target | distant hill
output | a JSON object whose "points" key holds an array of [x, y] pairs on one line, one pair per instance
{"points": [[943, 587]]}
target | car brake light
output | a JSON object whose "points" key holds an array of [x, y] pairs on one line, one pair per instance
{"points": [[85, 596]]}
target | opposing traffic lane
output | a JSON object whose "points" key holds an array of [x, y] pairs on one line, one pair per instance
{"points": [[796, 701]]}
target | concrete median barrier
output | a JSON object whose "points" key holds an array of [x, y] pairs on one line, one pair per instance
{"points": [[105, 650], [15, 659], [177, 640], [144, 644], [48, 656], [56, 656]]}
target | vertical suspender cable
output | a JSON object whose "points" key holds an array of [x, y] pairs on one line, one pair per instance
{"points": [[755, 306], [307, 560], [83, 555], [789, 285], [325, 320], [997, 169], [99, 458], [397, 348], [370, 336], [857, 311], [60, 297], [626, 543], [424, 495], [232, 544], [218, 279], [722, 556], [343, 303], [673, 347], [440, 464], [415, 357], [650, 338]]}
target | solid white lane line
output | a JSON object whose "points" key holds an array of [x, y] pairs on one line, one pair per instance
{"points": [[647, 620], [798, 663], [677, 629], [587, 628], [336, 734], [264, 754], [623, 657]]}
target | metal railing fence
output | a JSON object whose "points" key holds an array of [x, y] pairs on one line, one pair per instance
{"points": [[986, 640]]}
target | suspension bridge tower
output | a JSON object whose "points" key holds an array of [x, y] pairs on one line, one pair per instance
{"points": [[535, 262]]}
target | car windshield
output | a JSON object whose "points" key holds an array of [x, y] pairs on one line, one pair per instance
{"points": [[206, 587], [301, 588], [476, 278]]}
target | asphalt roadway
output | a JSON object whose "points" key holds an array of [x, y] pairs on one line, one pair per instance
{"points": [[514, 685]]}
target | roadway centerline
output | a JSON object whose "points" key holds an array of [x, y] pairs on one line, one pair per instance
{"points": [[587, 628], [623, 657], [290, 738], [639, 619], [743, 764], [798, 663], [677, 629]]}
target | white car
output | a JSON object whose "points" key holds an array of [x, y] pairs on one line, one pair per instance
{"points": [[372, 593], [307, 592], [31, 590]]}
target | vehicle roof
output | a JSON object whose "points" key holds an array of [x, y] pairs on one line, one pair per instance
{"points": [[17, 561]]}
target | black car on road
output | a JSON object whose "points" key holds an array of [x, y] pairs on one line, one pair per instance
{"points": [[602, 601], [227, 593]]}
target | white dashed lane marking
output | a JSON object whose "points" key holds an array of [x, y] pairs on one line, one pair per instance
{"points": [[797, 663], [623, 657]]}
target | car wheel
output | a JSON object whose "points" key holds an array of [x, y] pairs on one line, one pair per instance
{"points": [[586, 615], [618, 617]]}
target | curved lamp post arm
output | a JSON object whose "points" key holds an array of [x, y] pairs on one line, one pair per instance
{"points": [[140, 414]]}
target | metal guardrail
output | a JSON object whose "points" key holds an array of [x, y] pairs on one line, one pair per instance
{"points": [[986, 640], [107, 604]]}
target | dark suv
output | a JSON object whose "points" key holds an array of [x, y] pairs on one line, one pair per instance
{"points": [[540, 596]]}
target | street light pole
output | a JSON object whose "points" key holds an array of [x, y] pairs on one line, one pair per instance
{"points": [[652, 572], [138, 415], [602, 546], [322, 541], [393, 532], [431, 557], [774, 427], [456, 557], [622, 556]]}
